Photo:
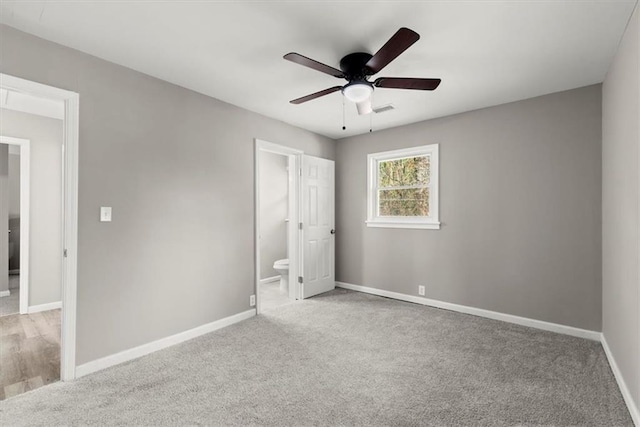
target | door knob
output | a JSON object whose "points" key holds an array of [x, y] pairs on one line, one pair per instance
{"points": [[333, 231]]}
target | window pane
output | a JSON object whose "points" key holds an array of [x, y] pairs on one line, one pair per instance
{"points": [[403, 172], [405, 202]]}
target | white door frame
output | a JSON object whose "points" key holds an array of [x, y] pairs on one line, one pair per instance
{"points": [[293, 242], [68, 253], [25, 215]]}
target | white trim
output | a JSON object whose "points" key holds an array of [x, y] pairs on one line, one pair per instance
{"points": [[293, 244], [25, 215], [45, 307], [70, 210], [432, 222], [510, 318], [269, 280], [626, 394], [5, 293], [26, 103], [143, 350], [414, 225], [270, 147], [70, 237]]}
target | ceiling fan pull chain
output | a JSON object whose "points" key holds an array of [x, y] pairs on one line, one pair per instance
{"points": [[371, 116], [343, 120]]}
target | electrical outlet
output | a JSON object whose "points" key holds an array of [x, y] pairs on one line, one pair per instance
{"points": [[252, 301], [421, 290]]}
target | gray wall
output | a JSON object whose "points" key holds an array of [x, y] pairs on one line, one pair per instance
{"points": [[177, 168], [14, 185], [274, 205], [620, 214], [45, 183], [4, 217], [519, 202], [14, 250]]}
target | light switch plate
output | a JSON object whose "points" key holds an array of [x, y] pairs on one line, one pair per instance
{"points": [[105, 214]]}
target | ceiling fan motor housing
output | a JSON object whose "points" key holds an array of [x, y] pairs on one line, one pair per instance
{"points": [[354, 66]]}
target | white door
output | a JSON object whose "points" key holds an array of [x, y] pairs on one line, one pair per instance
{"points": [[318, 219]]}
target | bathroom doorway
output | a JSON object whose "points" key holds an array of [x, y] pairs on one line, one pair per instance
{"points": [[277, 219], [15, 155]]}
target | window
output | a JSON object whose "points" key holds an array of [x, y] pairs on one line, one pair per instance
{"points": [[403, 188]]}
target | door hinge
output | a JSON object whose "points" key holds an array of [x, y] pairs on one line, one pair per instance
{"points": [[299, 279], [65, 253], [299, 226], [300, 171]]}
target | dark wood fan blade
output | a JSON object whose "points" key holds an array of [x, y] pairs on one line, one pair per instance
{"points": [[397, 44], [308, 62], [316, 95], [406, 83]]}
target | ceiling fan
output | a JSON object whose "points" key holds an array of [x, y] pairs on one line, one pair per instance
{"points": [[357, 67]]}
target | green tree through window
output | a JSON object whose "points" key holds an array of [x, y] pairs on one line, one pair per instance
{"points": [[403, 186]]}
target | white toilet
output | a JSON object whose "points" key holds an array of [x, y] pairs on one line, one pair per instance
{"points": [[282, 267]]}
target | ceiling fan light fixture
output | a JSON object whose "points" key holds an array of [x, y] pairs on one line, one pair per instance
{"points": [[358, 91]]}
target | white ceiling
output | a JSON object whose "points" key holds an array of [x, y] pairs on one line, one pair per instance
{"points": [[485, 52]]}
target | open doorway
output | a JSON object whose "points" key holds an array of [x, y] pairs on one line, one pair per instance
{"points": [[15, 160], [277, 218], [39, 135], [31, 320], [295, 215]]}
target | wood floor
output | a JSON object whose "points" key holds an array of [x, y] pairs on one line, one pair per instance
{"points": [[29, 351]]}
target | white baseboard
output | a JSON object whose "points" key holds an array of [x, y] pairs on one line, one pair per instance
{"points": [[510, 318], [270, 279], [626, 394], [44, 307], [143, 350], [5, 293]]}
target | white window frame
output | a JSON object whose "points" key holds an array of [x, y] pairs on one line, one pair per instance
{"points": [[421, 222]]}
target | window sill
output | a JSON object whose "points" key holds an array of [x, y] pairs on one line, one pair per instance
{"points": [[398, 224]]}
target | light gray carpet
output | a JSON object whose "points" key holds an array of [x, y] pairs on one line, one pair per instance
{"points": [[346, 358]]}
